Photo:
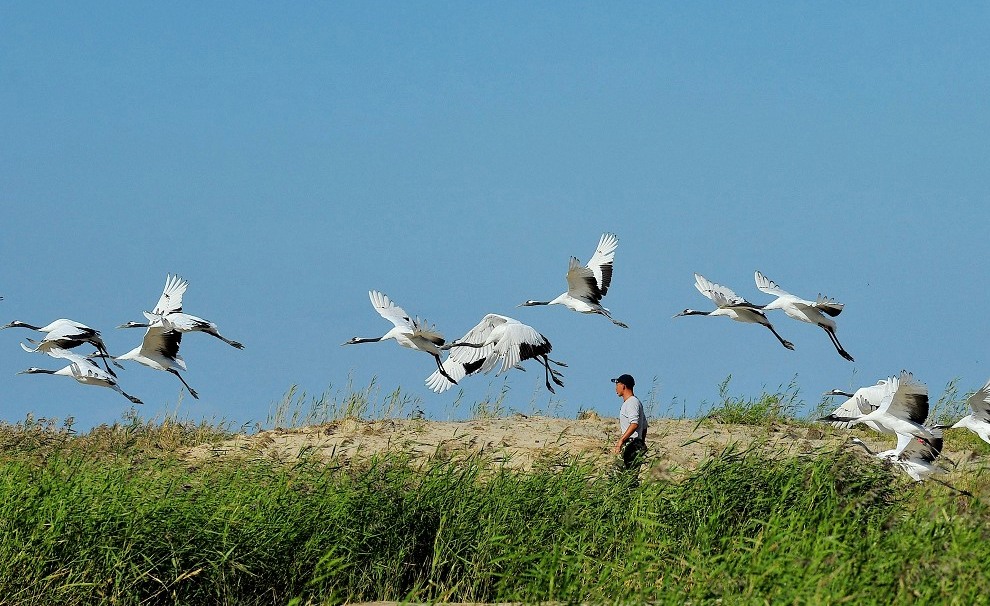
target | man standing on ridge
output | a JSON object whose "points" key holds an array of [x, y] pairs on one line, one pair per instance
{"points": [[632, 425]]}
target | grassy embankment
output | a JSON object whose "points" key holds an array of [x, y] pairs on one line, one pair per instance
{"points": [[114, 516]]}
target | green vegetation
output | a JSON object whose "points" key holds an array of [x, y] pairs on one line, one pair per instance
{"points": [[117, 516], [776, 407]]}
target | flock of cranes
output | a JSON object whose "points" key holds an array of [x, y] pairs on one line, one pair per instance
{"points": [[899, 406], [159, 349], [896, 405]]}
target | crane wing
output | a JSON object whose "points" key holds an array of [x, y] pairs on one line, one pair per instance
{"points": [[81, 365], [979, 402], [390, 311], [828, 306], [163, 341], [463, 361], [769, 286], [421, 328], [918, 449], [852, 408], [601, 262], [171, 299], [723, 296], [517, 342], [906, 398], [582, 284]]}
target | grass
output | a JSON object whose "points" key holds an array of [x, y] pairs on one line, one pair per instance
{"points": [[115, 516], [768, 408]]}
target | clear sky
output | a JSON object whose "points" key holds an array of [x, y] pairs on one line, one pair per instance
{"points": [[286, 159]]}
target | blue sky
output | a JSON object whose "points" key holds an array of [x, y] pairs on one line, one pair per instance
{"points": [[286, 160]]}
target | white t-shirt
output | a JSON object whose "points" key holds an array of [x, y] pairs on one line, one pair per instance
{"points": [[632, 412]]}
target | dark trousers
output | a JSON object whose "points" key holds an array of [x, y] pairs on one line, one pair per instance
{"points": [[633, 452]]}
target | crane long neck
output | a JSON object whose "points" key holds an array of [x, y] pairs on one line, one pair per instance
{"points": [[865, 447], [16, 324]]}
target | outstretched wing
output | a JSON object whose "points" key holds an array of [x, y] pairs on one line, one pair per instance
{"points": [[582, 284], [920, 450], [828, 306], [852, 408], [462, 361], [516, 343], [422, 328], [723, 296], [979, 402], [601, 262], [81, 365], [770, 287], [908, 398], [390, 311], [171, 299]]}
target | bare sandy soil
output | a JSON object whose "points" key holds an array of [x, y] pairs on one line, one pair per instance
{"points": [[520, 442]]}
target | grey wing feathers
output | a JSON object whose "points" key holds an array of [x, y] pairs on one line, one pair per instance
{"points": [[922, 450], [828, 306]]}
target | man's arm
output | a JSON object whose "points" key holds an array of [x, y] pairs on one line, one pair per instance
{"points": [[622, 439]]}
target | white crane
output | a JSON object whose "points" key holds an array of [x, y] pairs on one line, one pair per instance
{"points": [[731, 305], [861, 402], [915, 456], [168, 312], [80, 368], [160, 350], [415, 334], [588, 284], [903, 407], [496, 341], [813, 312], [979, 420], [66, 334]]}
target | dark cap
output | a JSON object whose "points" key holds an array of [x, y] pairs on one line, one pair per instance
{"points": [[626, 380]]}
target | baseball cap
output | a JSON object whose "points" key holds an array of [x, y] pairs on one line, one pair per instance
{"points": [[626, 380]]}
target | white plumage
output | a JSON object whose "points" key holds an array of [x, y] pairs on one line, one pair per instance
{"points": [[859, 403], [65, 334], [160, 350], [979, 420], [813, 312], [495, 342], [80, 368], [731, 305], [414, 334], [902, 407], [168, 312], [588, 284]]}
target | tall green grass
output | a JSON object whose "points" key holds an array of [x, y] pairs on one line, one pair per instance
{"points": [[97, 519]]}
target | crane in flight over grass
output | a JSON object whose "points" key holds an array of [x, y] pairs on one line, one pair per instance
{"points": [[730, 305], [80, 368], [66, 334], [588, 284], [159, 349], [814, 312], [861, 402], [901, 407], [915, 457], [979, 420], [495, 342], [412, 333], [168, 312]]}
